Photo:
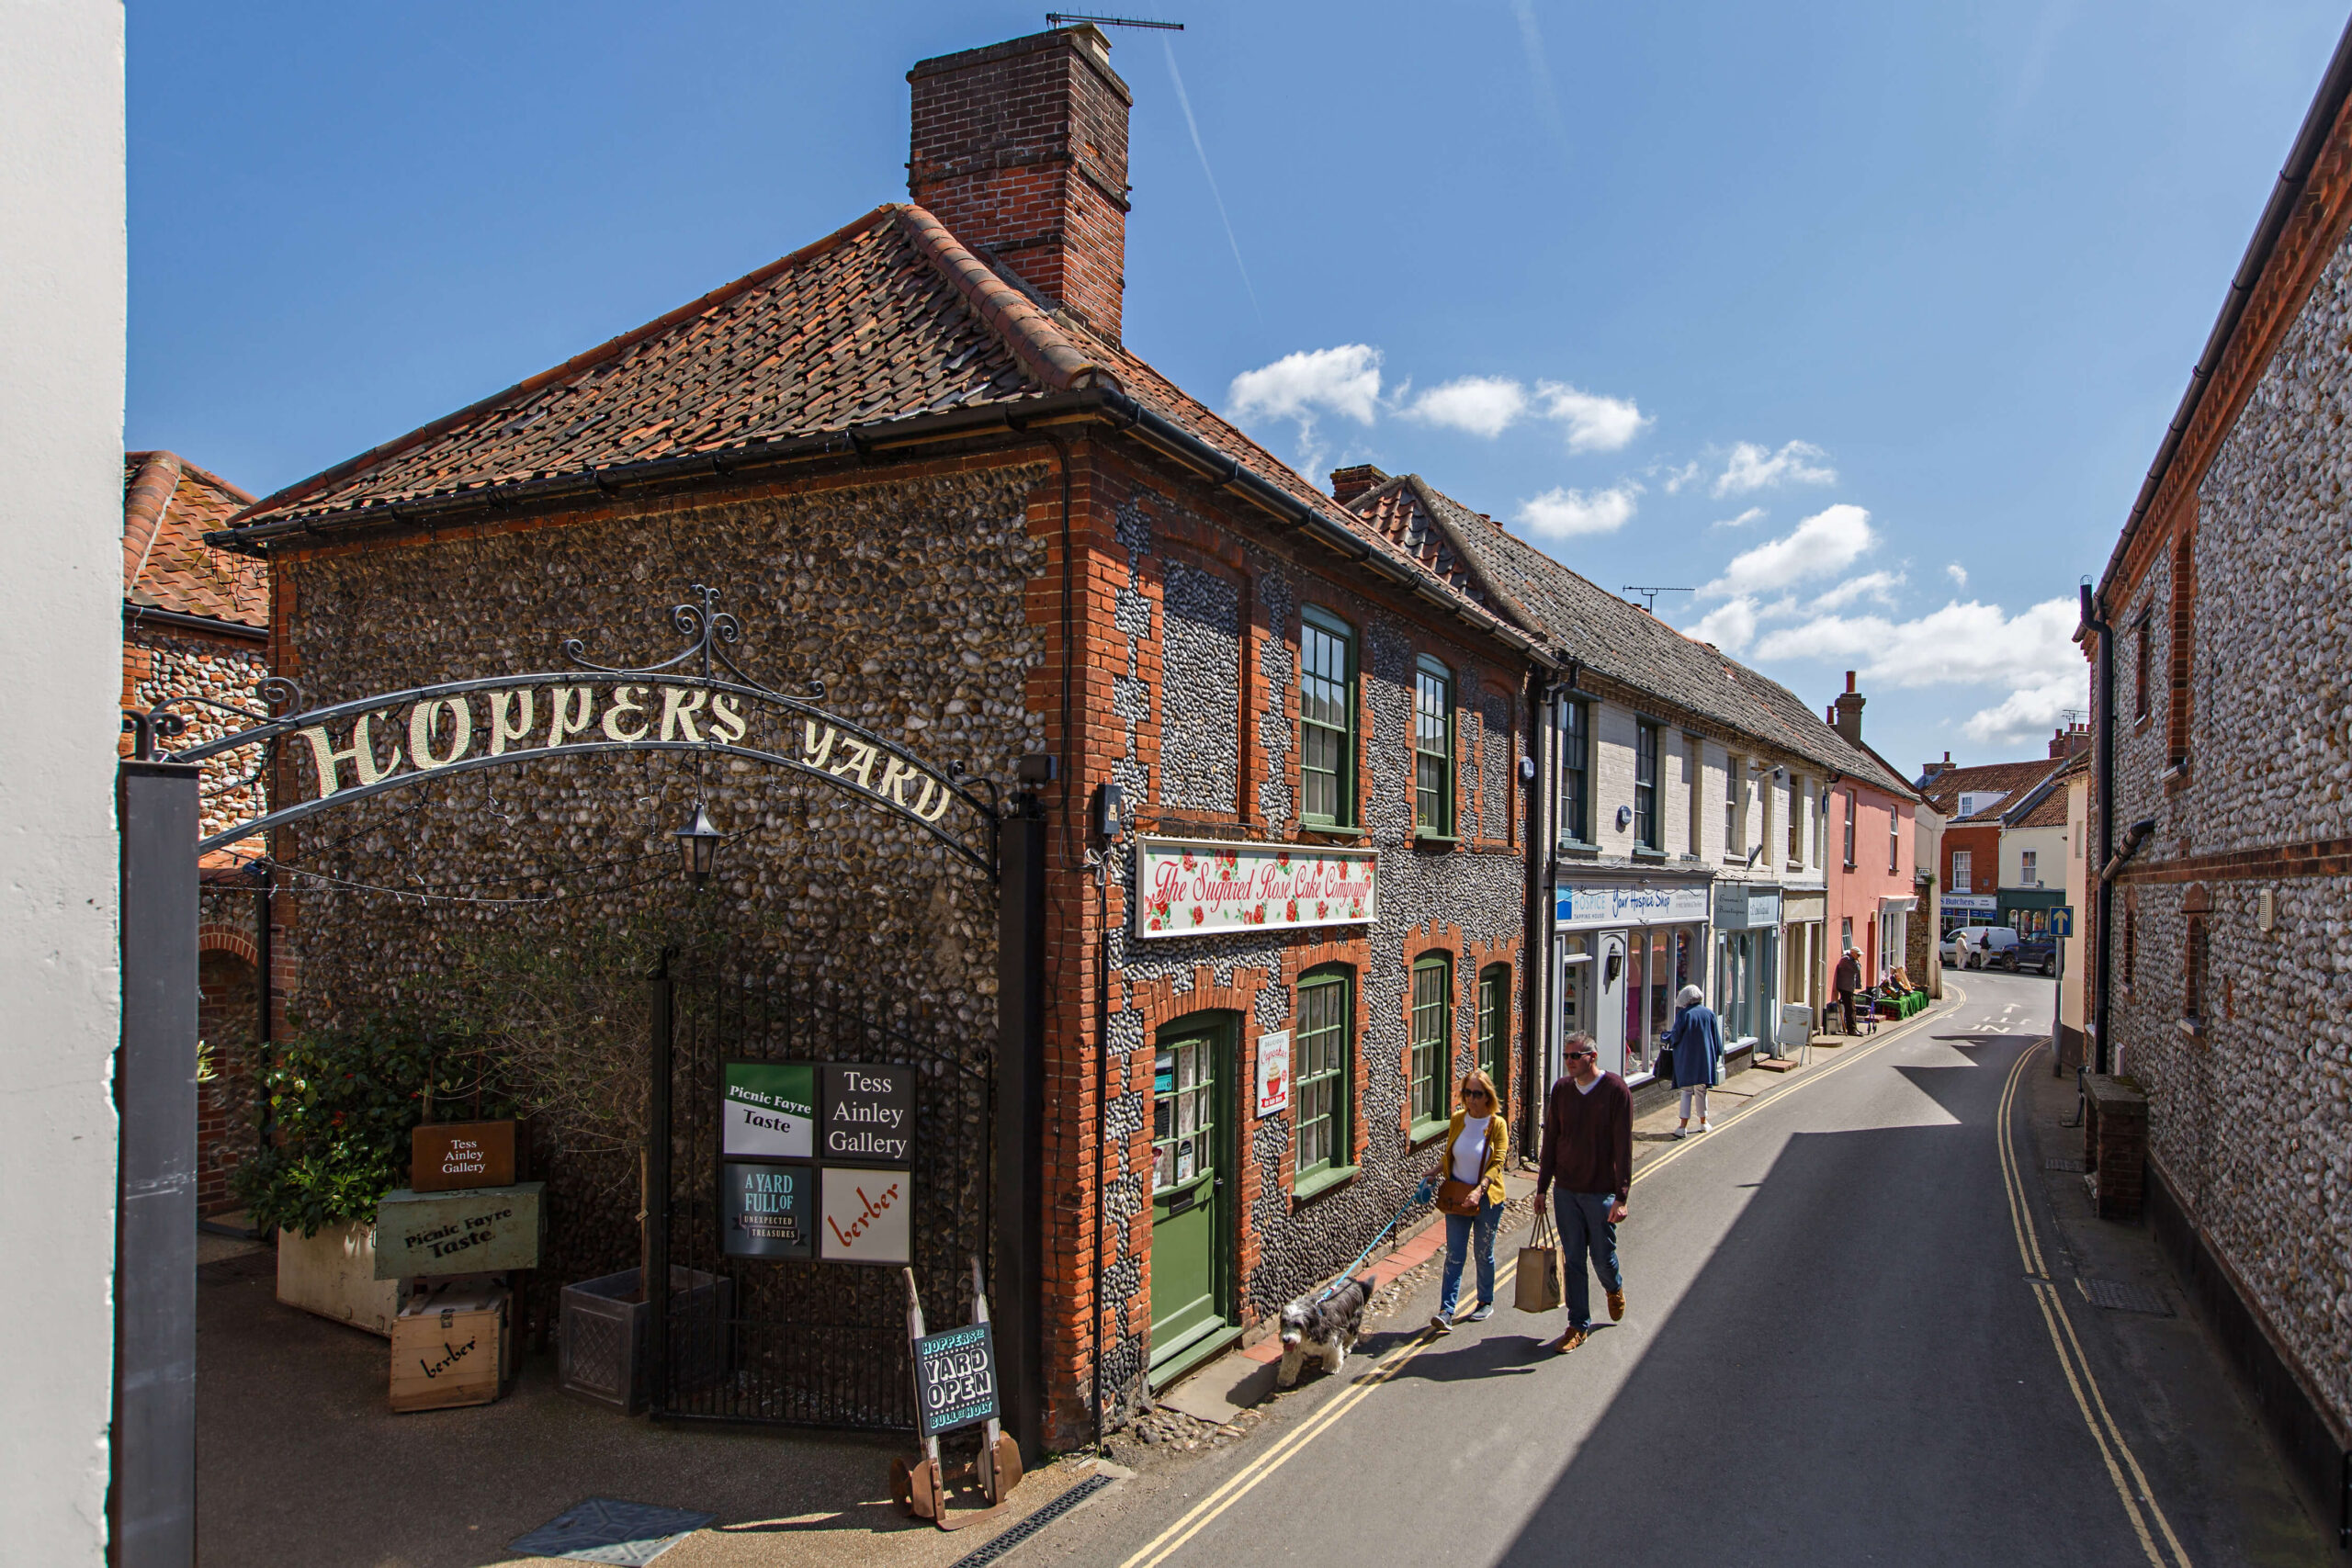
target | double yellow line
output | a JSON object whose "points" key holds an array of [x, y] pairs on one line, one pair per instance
{"points": [[2139, 1500], [1245, 1479]]}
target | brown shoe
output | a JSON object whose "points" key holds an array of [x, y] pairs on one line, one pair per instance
{"points": [[1568, 1341], [1616, 1306]]}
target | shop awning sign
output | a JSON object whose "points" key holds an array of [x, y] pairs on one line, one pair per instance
{"points": [[1605, 904], [1202, 886]]}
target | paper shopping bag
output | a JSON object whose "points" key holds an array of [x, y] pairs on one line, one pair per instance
{"points": [[1539, 1284]]}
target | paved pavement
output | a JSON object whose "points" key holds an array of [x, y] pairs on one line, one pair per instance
{"points": [[1856, 1336]]}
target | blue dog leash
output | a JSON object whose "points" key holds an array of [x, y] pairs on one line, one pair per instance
{"points": [[1421, 1194]]}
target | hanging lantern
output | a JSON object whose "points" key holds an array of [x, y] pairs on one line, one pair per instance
{"points": [[698, 846]]}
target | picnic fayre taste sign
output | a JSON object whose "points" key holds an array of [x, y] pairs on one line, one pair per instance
{"points": [[768, 1108], [1193, 887]]}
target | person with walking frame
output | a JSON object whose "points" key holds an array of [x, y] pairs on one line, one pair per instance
{"points": [[1475, 1145], [1589, 1154], [1697, 1042], [1847, 982]]}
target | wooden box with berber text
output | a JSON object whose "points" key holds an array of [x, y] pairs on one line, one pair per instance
{"points": [[453, 1344]]}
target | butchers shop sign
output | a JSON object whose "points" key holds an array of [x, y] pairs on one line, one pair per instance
{"points": [[1197, 887]]}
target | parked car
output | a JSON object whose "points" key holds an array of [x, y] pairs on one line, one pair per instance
{"points": [[2035, 954], [1980, 947]]}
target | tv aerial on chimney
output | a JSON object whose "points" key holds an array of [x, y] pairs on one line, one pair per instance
{"points": [[1649, 595], [1063, 18]]}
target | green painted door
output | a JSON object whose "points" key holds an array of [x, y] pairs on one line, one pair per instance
{"points": [[1187, 1189]]}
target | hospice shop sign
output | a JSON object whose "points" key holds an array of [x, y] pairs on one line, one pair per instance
{"points": [[1194, 887], [1607, 906]]}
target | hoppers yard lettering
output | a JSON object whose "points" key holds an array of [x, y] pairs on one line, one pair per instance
{"points": [[436, 732]]}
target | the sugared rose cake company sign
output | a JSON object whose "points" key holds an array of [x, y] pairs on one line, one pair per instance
{"points": [[1191, 887]]}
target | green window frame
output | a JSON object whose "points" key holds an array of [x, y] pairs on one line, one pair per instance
{"points": [[1432, 750], [1322, 1051], [1327, 720], [1645, 828], [1576, 774], [1431, 1051], [1494, 1022]]}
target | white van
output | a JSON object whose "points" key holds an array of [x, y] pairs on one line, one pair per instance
{"points": [[1973, 947]]}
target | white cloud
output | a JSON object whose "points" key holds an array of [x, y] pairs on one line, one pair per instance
{"points": [[1878, 586], [1743, 520], [1594, 423], [2029, 711], [1562, 513], [1970, 644], [1958, 573], [1677, 478], [1824, 544], [1482, 405], [1299, 386], [1754, 468], [1729, 626]]}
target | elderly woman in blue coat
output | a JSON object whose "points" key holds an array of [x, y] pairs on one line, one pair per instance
{"points": [[1697, 1042]]}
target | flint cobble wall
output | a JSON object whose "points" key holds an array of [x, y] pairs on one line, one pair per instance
{"points": [[2250, 1111], [903, 601], [160, 663]]}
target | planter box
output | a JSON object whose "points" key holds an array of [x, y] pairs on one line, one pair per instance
{"points": [[334, 1275], [452, 1345], [606, 1339]]}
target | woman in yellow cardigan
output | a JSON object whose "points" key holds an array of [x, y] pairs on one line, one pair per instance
{"points": [[1475, 1145]]}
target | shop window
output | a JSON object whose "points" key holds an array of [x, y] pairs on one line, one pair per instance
{"points": [[1327, 720], [1432, 1042], [1850, 830], [1321, 1050], [1645, 829], [1576, 772], [1963, 867], [1494, 1021], [1433, 750]]}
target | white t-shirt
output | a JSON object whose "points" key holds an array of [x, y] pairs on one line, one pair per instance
{"points": [[1588, 1088], [1470, 1149]]}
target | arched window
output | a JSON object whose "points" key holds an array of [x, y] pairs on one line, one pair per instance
{"points": [[1322, 1053]]}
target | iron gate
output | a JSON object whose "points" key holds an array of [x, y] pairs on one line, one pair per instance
{"points": [[790, 1342]]}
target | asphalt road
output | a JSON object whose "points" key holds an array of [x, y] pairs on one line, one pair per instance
{"points": [[1848, 1342]]}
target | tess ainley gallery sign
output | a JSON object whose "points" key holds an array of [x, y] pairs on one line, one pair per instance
{"points": [[1195, 886]]}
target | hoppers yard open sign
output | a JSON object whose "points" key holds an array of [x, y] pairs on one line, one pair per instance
{"points": [[1194, 888]]}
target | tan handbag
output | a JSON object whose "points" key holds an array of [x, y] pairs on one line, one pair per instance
{"points": [[1462, 1198], [1539, 1285]]}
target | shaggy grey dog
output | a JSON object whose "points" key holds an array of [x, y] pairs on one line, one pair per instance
{"points": [[1327, 1328]]}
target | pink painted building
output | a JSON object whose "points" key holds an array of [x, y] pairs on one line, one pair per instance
{"points": [[1873, 896]]}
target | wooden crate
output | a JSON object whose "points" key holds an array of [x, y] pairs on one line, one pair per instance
{"points": [[453, 1344]]}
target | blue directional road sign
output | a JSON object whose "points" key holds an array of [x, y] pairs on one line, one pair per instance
{"points": [[2061, 920]]}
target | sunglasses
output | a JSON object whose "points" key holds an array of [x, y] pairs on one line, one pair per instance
{"points": [[1477, 1094], [1583, 1055]]}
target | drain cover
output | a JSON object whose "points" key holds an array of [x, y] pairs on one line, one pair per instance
{"points": [[2077, 1166], [2117, 1296], [1044, 1515]]}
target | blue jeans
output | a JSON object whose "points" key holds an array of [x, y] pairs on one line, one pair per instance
{"points": [[1459, 1228], [1583, 1219]]}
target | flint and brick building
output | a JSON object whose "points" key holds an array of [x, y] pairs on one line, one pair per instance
{"points": [[2220, 810], [934, 484]]}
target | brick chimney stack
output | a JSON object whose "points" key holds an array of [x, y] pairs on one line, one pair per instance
{"points": [[1932, 769], [1021, 150], [1848, 711], [2067, 741], [1349, 483]]}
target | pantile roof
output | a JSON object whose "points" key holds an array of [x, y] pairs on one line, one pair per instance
{"points": [[888, 318], [2045, 805], [2008, 781], [1616, 639], [169, 505]]}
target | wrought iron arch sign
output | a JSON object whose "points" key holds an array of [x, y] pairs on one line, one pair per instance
{"points": [[698, 702]]}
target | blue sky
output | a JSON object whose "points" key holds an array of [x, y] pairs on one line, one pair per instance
{"points": [[1862, 322]]}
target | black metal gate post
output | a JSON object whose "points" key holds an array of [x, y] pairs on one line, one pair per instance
{"points": [[1019, 1284], [653, 1272], [152, 1500]]}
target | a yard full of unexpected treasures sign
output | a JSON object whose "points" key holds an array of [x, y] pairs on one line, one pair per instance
{"points": [[1194, 888]]}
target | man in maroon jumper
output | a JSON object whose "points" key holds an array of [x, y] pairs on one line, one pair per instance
{"points": [[1588, 1150]]}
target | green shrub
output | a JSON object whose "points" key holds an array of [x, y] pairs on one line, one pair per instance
{"points": [[342, 1100]]}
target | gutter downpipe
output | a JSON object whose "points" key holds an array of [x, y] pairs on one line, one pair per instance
{"points": [[2097, 625]]}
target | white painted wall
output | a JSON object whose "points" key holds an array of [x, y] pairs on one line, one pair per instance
{"points": [[2050, 846], [61, 317]]}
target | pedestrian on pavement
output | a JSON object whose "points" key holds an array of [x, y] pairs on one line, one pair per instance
{"points": [[1849, 981], [1588, 1152], [1474, 1144], [1697, 1042]]}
